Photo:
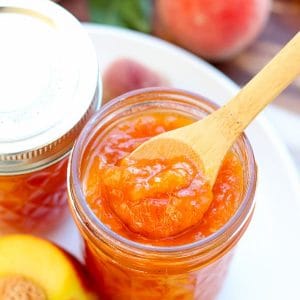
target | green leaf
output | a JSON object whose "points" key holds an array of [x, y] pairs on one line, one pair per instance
{"points": [[133, 14]]}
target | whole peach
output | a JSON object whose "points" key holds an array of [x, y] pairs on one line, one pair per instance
{"points": [[213, 29]]}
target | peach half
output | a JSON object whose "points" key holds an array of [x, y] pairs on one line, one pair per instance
{"points": [[35, 269]]}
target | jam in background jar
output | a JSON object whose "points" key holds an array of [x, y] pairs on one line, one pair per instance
{"points": [[34, 201]]}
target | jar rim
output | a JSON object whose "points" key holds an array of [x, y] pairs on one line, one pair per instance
{"points": [[81, 209]]}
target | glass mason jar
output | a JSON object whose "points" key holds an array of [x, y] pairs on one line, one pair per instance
{"points": [[124, 269], [49, 89]]}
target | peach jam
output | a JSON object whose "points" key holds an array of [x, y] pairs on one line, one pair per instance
{"points": [[156, 229], [49, 87]]}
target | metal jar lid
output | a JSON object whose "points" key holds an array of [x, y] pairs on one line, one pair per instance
{"points": [[49, 83]]}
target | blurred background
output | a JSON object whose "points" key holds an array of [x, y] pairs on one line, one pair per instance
{"points": [[237, 36]]}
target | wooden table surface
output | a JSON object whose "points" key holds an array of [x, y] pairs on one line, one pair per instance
{"points": [[284, 22]]}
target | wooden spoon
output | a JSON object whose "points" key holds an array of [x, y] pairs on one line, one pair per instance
{"points": [[207, 141]]}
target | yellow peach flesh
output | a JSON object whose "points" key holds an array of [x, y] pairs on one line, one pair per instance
{"points": [[44, 264]]}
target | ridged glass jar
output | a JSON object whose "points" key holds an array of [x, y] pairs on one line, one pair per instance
{"points": [[124, 269]]}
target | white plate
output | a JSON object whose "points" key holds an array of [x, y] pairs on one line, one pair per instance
{"points": [[267, 261]]}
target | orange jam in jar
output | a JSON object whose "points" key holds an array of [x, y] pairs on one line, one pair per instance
{"points": [[49, 88], [156, 229], [35, 201]]}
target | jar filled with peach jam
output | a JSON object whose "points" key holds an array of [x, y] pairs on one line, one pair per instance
{"points": [[49, 88], [148, 229]]}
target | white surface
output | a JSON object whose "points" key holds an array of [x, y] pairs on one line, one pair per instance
{"points": [[267, 261], [287, 124], [48, 65]]}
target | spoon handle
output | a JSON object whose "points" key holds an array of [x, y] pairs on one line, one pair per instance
{"points": [[262, 89], [229, 121]]}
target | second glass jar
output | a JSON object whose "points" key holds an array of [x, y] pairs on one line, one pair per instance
{"points": [[49, 89]]}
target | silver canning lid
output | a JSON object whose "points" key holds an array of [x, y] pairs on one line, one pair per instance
{"points": [[48, 83]]}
